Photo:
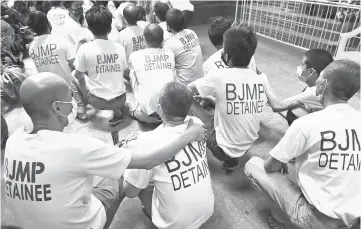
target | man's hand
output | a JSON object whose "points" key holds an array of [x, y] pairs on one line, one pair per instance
{"points": [[206, 102], [196, 132]]}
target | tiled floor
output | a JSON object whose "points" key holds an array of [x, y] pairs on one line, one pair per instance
{"points": [[237, 204]]}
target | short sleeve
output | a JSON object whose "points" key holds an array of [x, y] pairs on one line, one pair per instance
{"points": [[206, 85], [292, 145], [80, 60], [106, 160], [70, 50], [309, 100], [206, 68], [139, 178]]}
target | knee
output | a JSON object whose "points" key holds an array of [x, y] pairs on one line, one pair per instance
{"points": [[253, 165]]}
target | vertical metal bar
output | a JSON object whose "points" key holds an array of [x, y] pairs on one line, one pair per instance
{"points": [[284, 21], [250, 13], [292, 26], [332, 29], [305, 23], [313, 30], [323, 28]]}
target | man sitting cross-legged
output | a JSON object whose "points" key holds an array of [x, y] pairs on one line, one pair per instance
{"points": [[239, 97], [104, 61], [185, 45], [150, 70], [49, 174], [314, 61], [326, 191], [182, 195], [215, 32]]}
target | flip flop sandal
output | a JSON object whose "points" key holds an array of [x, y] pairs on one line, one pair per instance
{"points": [[274, 224], [146, 213], [82, 120], [116, 120]]}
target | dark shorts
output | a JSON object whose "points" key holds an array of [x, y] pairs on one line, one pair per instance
{"points": [[110, 193]]}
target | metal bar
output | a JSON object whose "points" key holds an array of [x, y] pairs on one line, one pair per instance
{"points": [[284, 21], [313, 31], [332, 29], [324, 25]]}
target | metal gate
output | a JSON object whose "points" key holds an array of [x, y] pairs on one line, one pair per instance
{"points": [[301, 23]]}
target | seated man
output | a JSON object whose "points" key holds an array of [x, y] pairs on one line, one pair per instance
{"points": [[150, 70], [105, 62], [186, 7], [215, 32], [142, 22], [326, 145], [313, 63], [131, 38], [239, 97], [160, 10], [185, 45], [49, 52], [49, 174], [182, 195]]}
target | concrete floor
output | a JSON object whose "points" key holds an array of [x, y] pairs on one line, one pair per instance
{"points": [[237, 204]]}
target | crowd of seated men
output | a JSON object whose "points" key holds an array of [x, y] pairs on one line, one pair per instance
{"points": [[57, 179]]}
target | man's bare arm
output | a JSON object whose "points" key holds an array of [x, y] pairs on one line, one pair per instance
{"points": [[130, 190], [141, 160]]}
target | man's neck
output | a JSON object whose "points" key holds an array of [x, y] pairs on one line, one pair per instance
{"points": [[175, 122], [42, 125], [105, 37], [218, 47], [332, 101]]}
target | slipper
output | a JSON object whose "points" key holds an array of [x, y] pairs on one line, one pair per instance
{"points": [[146, 213], [82, 119], [274, 224], [116, 120]]}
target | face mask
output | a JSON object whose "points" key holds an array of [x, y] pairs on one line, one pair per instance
{"points": [[321, 87], [71, 117], [300, 74]]}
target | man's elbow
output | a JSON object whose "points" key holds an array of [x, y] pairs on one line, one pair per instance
{"points": [[130, 194], [268, 168]]}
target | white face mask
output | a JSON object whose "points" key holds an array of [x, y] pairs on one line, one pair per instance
{"points": [[71, 117], [300, 72]]}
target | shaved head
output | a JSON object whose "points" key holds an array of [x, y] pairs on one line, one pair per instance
{"points": [[343, 77], [40, 91], [131, 14], [153, 35]]}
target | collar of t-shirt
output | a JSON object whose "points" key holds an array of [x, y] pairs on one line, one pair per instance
{"points": [[338, 107]]}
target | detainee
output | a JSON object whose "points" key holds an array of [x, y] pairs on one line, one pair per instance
{"points": [[104, 61], [49, 174], [177, 194], [326, 189], [150, 69]]}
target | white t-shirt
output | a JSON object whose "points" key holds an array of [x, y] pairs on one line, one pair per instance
{"points": [[49, 178], [326, 145], [240, 99], [51, 54], [215, 62], [104, 60], [150, 70], [183, 195], [309, 99], [132, 39], [188, 55], [182, 5], [75, 32], [166, 34], [143, 24], [57, 18]]}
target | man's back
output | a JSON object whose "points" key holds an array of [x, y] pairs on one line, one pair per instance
{"points": [[132, 39], [50, 54], [151, 69], [329, 166], [240, 99], [215, 62], [49, 177], [188, 55], [104, 60], [57, 18], [183, 195]]}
